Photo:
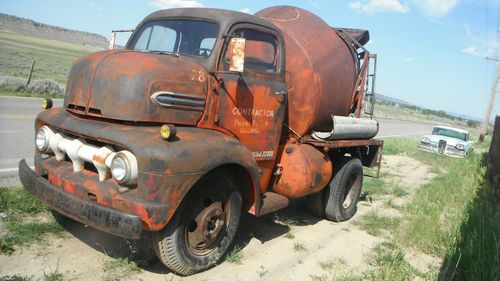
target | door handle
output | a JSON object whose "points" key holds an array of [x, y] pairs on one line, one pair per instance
{"points": [[280, 93]]}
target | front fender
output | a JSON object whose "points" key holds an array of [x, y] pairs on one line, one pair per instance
{"points": [[167, 169]]}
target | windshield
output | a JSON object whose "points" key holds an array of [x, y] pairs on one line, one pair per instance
{"points": [[184, 37], [450, 133]]}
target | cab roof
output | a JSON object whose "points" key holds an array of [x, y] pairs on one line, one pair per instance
{"points": [[453, 129], [225, 18]]}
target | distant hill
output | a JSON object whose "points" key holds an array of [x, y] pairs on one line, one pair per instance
{"points": [[41, 30], [402, 103], [387, 99]]}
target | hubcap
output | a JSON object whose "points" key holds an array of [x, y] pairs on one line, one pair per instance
{"points": [[204, 229]]}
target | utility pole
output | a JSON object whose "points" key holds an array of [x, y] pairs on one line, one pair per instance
{"points": [[491, 102]]}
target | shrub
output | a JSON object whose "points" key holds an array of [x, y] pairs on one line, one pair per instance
{"points": [[41, 87]]}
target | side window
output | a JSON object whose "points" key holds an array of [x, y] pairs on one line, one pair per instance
{"points": [[261, 51]]}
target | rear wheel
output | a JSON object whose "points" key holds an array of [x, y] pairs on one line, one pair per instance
{"points": [[342, 194], [203, 227]]}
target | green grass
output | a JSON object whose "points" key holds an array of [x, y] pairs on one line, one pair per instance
{"points": [[436, 211], [453, 217], [53, 276], [399, 191], [235, 256], [20, 207], [53, 58], [390, 264], [476, 255], [21, 234], [284, 220], [118, 269], [18, 201], [299, 247], [373, 186], [327, 265], [376, 224], [394, 146], [6, 93], [262, 271], [14, 278], [389, 203], [289, 235]]}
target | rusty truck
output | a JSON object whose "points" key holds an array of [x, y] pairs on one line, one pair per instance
{"points": [[204, 115]]}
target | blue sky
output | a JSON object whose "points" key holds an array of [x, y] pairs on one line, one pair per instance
{"points": [[431, 52]]}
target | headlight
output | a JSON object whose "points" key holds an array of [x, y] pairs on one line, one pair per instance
{"points": [[119, 168], [425, 140], [460, 146], [124, 167], [42, 138]]}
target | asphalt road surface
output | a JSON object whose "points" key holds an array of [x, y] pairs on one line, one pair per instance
{"points": [[17, 117]]}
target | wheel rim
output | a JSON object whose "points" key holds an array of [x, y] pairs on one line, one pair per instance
{"points": [[351, 191], [206, 227]]}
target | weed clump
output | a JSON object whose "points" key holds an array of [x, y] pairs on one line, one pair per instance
{"points": [[45, 87]]}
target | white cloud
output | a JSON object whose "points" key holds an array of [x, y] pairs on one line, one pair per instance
{"points": [[376, 6], [95, 6], [472, 51], [246, 10], [409, 59], [167, 4], [436, 8]]}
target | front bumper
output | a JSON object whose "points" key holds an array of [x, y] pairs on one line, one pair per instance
{"points": [[87, 212], [448, 151]]}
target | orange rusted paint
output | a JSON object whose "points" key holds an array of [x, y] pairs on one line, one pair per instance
{"points": [[306, 170], [322, 67]]}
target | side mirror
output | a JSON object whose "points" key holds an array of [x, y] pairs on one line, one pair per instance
{"points": [[237, 54]]}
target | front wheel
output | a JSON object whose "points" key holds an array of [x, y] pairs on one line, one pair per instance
{"points": [[203, 228], [342, 194]]}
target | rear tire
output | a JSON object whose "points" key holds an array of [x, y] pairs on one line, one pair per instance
{"points": [[342, 194], [203, 227]]}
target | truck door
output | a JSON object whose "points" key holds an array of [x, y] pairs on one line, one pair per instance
{"points": [[252, 102]]}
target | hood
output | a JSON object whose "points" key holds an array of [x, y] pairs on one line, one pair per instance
{"points": [[120, 84], [449, 141]]}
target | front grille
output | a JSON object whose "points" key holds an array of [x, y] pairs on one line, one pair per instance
{"points": [[442, 146], [76, 107]]}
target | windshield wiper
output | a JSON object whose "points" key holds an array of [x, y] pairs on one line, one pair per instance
{"points": [[164, 53]]}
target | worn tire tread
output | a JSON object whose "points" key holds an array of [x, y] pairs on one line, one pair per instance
{"points": [[334, 195], [166, 242]]}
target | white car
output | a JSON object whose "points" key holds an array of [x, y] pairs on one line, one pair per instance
{"points": [[448, 141]]}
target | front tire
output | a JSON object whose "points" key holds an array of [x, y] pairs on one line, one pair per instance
{"points": [[342, 194], [203, 228]]}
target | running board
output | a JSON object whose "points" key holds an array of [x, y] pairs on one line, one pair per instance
{"points": [[272, 202]]}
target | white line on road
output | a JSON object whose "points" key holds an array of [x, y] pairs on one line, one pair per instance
{"points": [[27, 98], [14, 116], [403, 135], [12, 169], [14, 131], [8, 170]]}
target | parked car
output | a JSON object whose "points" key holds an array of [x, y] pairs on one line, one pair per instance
{"points": [[448, 141]]}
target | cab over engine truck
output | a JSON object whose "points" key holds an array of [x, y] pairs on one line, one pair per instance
{"points": [[204, 115]]}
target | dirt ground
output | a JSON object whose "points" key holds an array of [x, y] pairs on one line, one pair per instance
{"points": [[289, 245]]}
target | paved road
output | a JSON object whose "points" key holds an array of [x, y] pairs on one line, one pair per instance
{"points": [[17, 117]]}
